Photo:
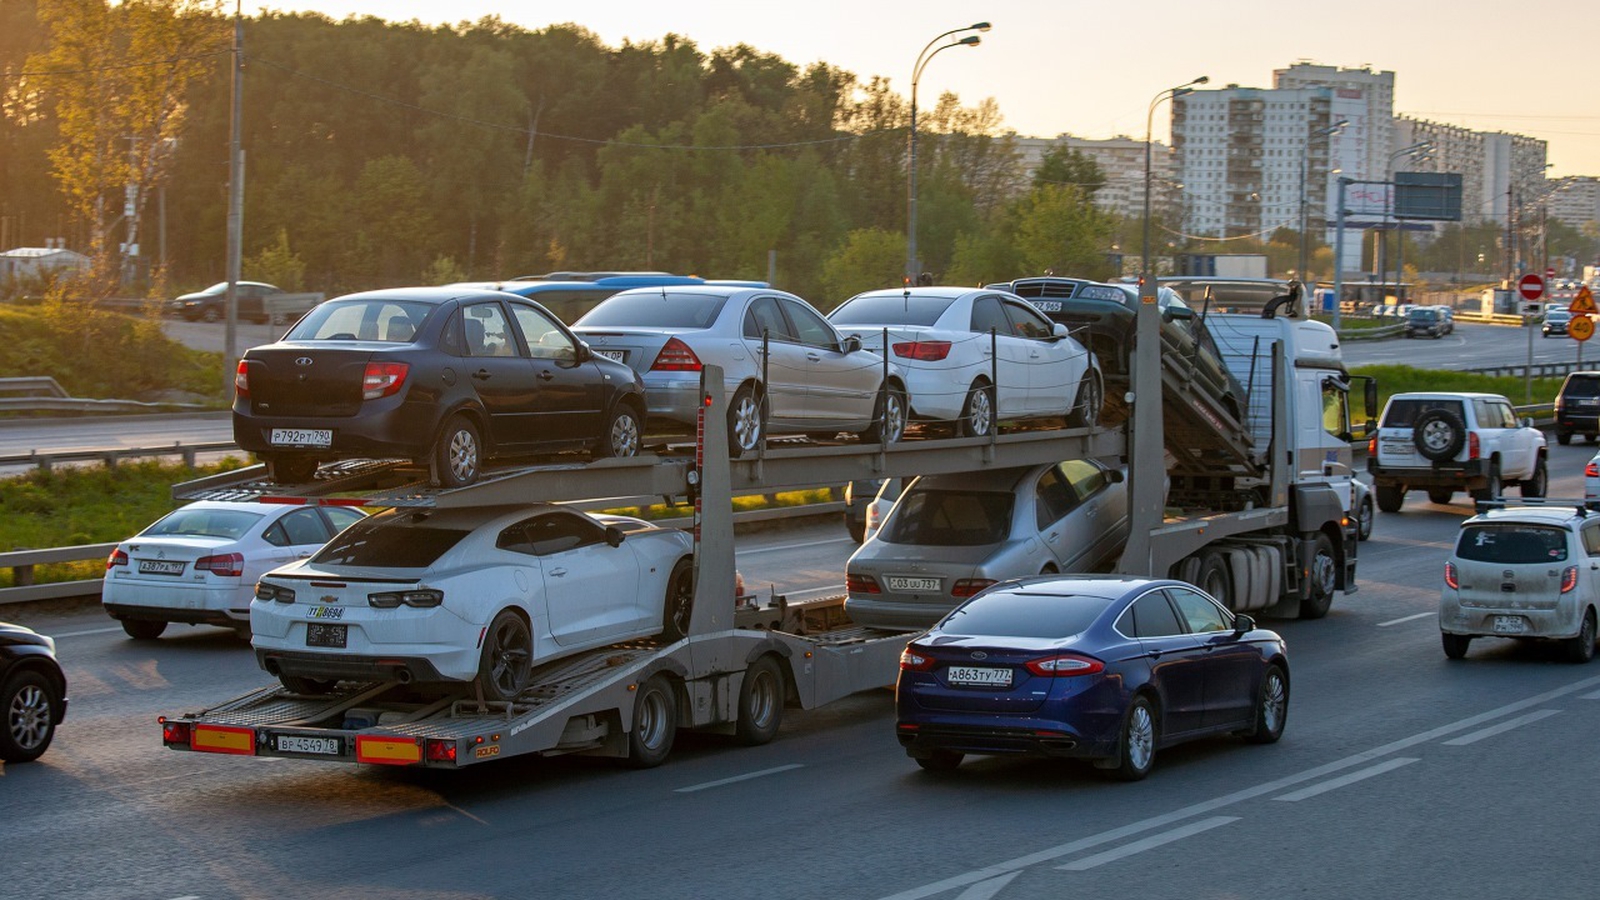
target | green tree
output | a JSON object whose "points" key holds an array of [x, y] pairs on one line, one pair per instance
{"points": [[870, 258], [276, 264], [1064, 165], [1058, 229]]}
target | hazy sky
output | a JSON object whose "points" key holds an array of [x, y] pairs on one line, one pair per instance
{"points": [[1090, 69]]}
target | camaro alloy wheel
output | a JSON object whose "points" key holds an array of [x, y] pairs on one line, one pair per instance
{"points": [[507, 657]]}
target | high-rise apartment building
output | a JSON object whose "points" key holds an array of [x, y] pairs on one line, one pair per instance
{"points": [[1369, 97], [1121, 161], [1575, 201], [1454, 149]]}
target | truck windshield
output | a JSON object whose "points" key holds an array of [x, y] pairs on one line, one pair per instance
{"points": [[944, 518]]}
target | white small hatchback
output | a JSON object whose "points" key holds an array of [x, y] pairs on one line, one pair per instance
{"points": [[1524, 572]]}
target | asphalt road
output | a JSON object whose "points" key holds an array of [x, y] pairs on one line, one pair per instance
{"points": [[1400, 775]]}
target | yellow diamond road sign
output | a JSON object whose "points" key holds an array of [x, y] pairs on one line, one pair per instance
{"points": [[1583, 304]]}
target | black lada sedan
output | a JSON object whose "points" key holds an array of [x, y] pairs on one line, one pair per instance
{"points": [[447, 377]]}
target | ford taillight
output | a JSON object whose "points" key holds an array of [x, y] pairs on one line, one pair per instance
{"points": [[676, 356], [915, 659], [383, 379], [1065, 665]]}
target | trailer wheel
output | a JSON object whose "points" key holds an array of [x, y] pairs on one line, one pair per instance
{"points": [[679, 603], [1322, 577], [760, 703], [1215, 579], [655, 724]]}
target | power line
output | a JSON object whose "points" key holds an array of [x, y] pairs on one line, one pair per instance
{"points": [[48, 73]]}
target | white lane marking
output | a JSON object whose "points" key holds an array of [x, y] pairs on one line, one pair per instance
{"points": [[1593, 696], [1405, 619], [745, 777], [1343, 780], [1149, 843], [1505, 726], [90, 631], [984, 890], [1050, 854], [795, 546]]}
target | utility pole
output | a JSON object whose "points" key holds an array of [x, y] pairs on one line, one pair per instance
{"points": [[235, 205]]}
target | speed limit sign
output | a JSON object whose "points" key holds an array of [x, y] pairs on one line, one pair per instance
{"points": [[1581, 328]]}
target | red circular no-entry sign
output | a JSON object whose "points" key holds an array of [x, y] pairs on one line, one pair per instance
{"points": [[1531, 287]]}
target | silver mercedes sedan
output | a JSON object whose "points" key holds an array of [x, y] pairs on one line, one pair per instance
{"points": [[950, 536], [786, 368]]}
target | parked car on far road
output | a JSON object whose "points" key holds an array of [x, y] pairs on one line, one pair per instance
{"points": [[480, 594], [1426, 320], [1106, 669], [210, 305], [199, 564], [1578, 407], [33, 693]]}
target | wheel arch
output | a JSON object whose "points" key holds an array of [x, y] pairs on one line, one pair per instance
{"points": [[474, 414], [53, 674]]}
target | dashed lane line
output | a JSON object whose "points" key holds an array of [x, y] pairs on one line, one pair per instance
{"points": [[745, 777], [1341, 781], [1505, 726], [1149, 843]]}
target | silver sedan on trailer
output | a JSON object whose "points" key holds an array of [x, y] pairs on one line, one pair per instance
{"points": [[785, 367], [951, 536]]}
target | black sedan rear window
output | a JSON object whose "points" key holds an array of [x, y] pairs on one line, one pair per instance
{"points": [[395, 540], [891, 309], [1025, 614], [1512, 543], [371, 319], [655, 308], [950, 518]]}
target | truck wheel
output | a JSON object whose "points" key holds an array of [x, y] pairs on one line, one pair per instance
{"points": [[1215, 579], [1536, 485], [291, 469], [506, 664], [1439, 434], [308, 687], [29, 703], [760, 703], [1365, 517], [1085, 412], [620, 438], [679, 603], [1390, 497], [1323, 575], [143, 629], [1490, 490], [977, 414], [1440, 495], [655, 724], [458, 456]]}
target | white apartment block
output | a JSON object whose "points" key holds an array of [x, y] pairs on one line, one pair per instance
{"points": [[1575, 201], [1121, 161], [1455, 149], [1370, 109]]}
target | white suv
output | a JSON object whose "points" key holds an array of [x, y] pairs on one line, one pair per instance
{"points": [[1524, 572], [1446, 442]]}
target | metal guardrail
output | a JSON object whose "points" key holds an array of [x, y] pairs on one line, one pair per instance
{"points": [[41, 393], [113, 455], [1540, 370]]}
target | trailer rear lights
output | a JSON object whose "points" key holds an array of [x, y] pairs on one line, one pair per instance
{"points": [[174, 734], [223, 739], [442, 751], [388, 751]]}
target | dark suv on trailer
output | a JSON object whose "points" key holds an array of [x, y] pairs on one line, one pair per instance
{"points": [[1578, 407]]}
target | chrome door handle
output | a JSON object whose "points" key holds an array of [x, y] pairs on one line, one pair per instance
{"points": [[558, 572], [813, 357], [545, 375]]}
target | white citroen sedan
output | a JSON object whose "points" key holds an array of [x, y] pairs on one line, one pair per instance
{"points": [[199, 564], [440, 596]]}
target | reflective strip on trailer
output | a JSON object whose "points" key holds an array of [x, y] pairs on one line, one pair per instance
{"points": [[388, 751], [223, 739]]}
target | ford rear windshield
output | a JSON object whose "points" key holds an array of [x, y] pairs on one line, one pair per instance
{"points": [[891, 309], [653, 308], [1512, 543], [1025, 614], [1403, 413], [400, 541], [218, 523], [940, 518]]}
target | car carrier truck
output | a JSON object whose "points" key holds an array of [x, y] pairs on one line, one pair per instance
{"points": [[1264, 530]]}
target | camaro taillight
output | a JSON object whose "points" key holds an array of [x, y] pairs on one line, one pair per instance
{"points": [[241, 379], [676, 357], [915, 659], [966, 587], [1569, 578], [926, 351], [1452, 580], [271, 592], [1064, 665], [383, 379], [420, 599], [861, 584], [1473, 448], [117, 558], [230, 564]]}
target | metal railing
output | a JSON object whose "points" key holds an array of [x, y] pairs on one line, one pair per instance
{"points": [[41, 393], [111, 456]]}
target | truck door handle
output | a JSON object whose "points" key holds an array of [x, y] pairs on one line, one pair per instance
{"points": [[481, 374], [558, 572]]}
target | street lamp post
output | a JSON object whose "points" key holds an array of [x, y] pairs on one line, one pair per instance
{"points": [[1388, 177], [1147, 281], [1338, 251], [923, 58], [1305, 169]]}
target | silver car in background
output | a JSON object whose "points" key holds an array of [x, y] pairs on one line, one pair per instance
{"points": [[950, 536], [811, 380]]}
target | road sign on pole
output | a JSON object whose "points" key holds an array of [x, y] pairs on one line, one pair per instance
{"points": [[1531, 287], [1581, 328], [1583, 303]]}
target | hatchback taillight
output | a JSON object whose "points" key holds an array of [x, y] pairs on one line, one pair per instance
{"points": [[1064, 665], [241, 379], [229, 564], [676, 356], [1473, 448], [383, 379], [117, 558], [1569, 578], [926, 351], [1451, 579]]}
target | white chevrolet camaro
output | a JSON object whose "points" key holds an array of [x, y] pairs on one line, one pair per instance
{"points": [[480, 595], [199, 564]]}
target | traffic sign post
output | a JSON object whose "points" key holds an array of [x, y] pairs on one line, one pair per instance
{"points": [[1531, 287], [1581, 328]]}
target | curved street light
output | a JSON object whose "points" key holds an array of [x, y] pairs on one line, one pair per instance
{"points": [[1305, 167], [923, 58], [1417, 149], [1147, 285]]}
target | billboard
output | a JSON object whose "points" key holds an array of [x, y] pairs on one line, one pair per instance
{"points": [[1434, 196]]}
